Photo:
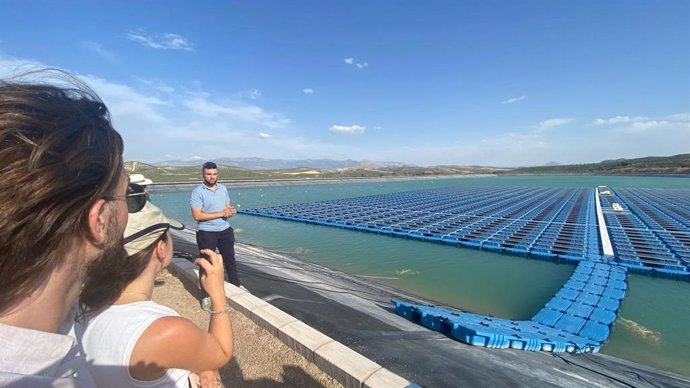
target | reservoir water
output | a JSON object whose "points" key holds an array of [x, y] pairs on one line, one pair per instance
{"points": [[654, 317]]}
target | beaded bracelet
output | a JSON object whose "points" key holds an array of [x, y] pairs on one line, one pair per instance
{"points": [[223, 311]]}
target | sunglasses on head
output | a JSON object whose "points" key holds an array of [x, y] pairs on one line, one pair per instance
{"points": [[136, 197]]}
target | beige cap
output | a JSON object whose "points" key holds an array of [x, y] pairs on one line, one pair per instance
{"points": [[145, 227], [140, 179]]}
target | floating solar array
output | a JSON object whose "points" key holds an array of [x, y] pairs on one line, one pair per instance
{"points": [[546, 222], [577, 319], [649, 230]]}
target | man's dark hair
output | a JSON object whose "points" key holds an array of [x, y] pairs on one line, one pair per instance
{"points": [[58, 155], [209, 166]]}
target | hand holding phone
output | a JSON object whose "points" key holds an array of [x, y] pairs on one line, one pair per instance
{"points": [[201, 268], [211, 273]]}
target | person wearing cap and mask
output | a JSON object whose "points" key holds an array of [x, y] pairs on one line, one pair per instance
{"points": [[131, 341]]}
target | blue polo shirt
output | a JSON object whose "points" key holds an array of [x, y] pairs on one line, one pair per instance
{"points": [[210, 201]]}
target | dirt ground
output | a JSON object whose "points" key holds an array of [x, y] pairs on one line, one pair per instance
{"points": [[259, 359]]}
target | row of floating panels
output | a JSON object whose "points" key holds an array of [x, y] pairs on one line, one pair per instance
{"points": [[649, 228], [651, 231], [547, 222]]}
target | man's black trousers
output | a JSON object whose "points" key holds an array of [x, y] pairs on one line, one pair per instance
{"points": [[225, 242]]}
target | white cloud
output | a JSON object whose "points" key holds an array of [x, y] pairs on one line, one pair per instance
{"points": [[351, 61], [551, 123], [128, 103], [641, 126], [188, 120], [10, 66], [308, 91], [166, 41], [613, 120], [514, 99], [679, 117], [100, 50], [301, 148], [157, 87], [347, 129], [627, 124], [254, 94], [237, 110], [251, 94], [194, 122]]}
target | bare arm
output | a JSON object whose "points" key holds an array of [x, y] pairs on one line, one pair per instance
{"points": [[199, 215], [176, 342]]}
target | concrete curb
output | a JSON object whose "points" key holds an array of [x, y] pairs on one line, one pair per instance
{"points": [[350, 368]]}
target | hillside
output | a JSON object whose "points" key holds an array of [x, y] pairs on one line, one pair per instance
{"points": [[677, 164], [169, 174]]}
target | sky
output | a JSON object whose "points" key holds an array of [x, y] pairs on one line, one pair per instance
{"points": [[494, 83]]}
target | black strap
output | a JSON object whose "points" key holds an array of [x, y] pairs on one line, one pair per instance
{"points": [[146, 231]]}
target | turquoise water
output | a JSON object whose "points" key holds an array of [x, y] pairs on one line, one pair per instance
{"points": [[654, 317]]}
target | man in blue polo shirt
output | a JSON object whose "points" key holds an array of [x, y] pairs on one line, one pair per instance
{"points": [[211, 209]]}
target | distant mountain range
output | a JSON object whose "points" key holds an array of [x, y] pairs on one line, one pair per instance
{"points": [[283, 164], [264, 169], [260, 169]]}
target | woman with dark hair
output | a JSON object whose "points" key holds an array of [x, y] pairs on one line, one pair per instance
{"points": [[137, 342]]}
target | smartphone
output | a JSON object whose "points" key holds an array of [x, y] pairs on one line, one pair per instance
{"points": [[204, 256], [204, 294]]}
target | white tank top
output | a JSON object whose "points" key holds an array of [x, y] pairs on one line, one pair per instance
{"points": [[109, 338]]}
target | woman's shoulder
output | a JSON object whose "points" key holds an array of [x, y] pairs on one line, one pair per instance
{"points": [[144, 308], [154, 307], [172, 326], [169, 334], [130, 315]]}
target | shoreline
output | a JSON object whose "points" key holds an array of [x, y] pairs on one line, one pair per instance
{"points": [[184, 186], [249, 183], [358, 313]]}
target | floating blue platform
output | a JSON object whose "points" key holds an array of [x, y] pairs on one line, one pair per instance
{"points": [[577, 319], [649, 231]]}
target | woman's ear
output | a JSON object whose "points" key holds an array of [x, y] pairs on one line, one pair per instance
{"points": [[97, 222], [161, 250]]}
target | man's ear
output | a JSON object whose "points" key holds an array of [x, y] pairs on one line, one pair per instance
{"points": [[97, 222]]}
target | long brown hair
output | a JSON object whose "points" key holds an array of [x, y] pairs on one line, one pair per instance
{"points": [[105, 284], [59, 153]]}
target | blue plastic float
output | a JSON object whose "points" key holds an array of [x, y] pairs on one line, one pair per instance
{"points": [[577, 319], [649, 231]]}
